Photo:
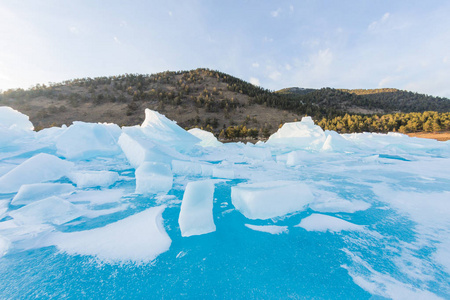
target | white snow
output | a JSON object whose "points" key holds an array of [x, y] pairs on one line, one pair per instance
{"points": [[97, 197], [207, 138], [266, 200], [139, 238], [84, 179], [153, 178], [272, 229], [319, 222], [39, 168], [36, 191], [325, 201], [85, 140], [196, 214]]}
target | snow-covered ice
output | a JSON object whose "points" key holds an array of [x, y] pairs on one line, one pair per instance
{"points": [[196, 213], [139, 238], [319, 222], [272, 229]]}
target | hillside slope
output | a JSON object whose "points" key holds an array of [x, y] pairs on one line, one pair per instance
{"points": [[203, 98]]}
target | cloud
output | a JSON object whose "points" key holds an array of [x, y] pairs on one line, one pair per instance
{"points": [[275, 13], [170, 13], [288, 67], [255, 65], [267, 39], [291, 8], [116, 40], [255, 81], [374, 25], [275, 75], [74, 30]]}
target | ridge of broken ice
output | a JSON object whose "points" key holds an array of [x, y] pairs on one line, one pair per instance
{"points": [[98, 190]]}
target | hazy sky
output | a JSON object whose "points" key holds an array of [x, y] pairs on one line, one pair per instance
{"points": [[343, 44]]}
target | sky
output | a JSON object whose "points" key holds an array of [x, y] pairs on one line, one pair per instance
{"points": [[401, 44]]}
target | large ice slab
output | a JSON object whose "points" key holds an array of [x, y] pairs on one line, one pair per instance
{"points": [[303, 135], [164, 131], [207, 139], [84, 179], [85, 140], [266, 200], [319, 222], [13, 119], [196, 215], [139, 148], [153, 178], [52, 210], [13, 126], [139, 238], [39, 168], [37, 191]]}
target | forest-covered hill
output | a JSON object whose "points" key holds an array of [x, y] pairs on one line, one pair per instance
{"points": [[221, 103]]}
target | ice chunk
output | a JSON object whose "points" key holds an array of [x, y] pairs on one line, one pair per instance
{"points": [[196, 215], [85, 140], [164, 131], [84, 179], [4, 245], [53, 210], [207, 138], [33, 192], [266, 200], [336, 143], [153, 178], [39, 168], [302, 134], [139, 148], [13, 126], [319, 222], [272, 229], [12, 119], [139, 238]]}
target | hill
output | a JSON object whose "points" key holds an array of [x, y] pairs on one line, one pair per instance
{"points": [[204, 98]]}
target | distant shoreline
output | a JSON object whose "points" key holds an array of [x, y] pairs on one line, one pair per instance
{"points": [[440, 136]]}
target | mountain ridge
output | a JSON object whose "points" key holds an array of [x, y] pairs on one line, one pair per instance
{"points": [[203, 98]]}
